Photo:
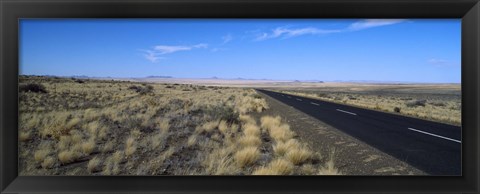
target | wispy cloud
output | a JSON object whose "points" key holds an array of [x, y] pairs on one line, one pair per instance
{"points": [[227, 38], [441, 62], [153, 55], [372, 23], [284, 32]]}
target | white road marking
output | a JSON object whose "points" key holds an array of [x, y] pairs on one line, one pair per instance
{"points": [[299, 99], [289, 97], [346, 112], [314, 103], [434, 135]]}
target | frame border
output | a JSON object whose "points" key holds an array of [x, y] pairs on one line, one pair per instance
{"points": [[11, 11]]}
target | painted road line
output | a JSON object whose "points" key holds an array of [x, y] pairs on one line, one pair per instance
{"points": [[314, 103], [346, 112], [299, 99], [434, 135], [289, 97]]}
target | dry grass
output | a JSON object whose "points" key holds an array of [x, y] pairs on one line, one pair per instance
{"points": [[94, 165], [88, 147], [281, 148], [276, 167], [298, 156], [24, 136], [130, 146], [171, 130], [277, 130], [40, 155], [67, 156], [247, 156], [48, 163]]}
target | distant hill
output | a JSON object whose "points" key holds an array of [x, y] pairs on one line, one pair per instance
{"points": [[159, 76]]}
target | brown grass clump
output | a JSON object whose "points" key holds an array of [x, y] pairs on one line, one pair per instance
{"points": [[94, 165], [247, 156], [67, 156], [48, 163], [250, 141], [24, 136], [41, 154], [130, 146], [277, 130], [276, 167], [281, 148], [250, 129], [88, 147], [298, 156], [192, 140], [329, 167]]}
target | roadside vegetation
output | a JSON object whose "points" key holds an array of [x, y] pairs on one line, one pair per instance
{"points": [[71, 126]]}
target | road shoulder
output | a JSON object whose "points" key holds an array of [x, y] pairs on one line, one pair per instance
{"points": [[352, 156]]}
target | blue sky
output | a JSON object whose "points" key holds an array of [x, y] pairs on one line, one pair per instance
{"points": [[328, 50]]}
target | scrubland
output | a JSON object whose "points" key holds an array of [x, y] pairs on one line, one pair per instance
{"points": [[440, 103], [106, 127]]}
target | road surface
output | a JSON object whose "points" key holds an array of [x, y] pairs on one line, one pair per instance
{"points": [[432, 147]]}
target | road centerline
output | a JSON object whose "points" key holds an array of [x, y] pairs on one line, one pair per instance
{"points": [[299, 99], [314, 103], [431, 134], [346, 112]]}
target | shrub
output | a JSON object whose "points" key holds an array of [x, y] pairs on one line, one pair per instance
{"points": [[247, 156], [93, 165], [298, 156], [48, 162], [396, 109], [142, 90], [416, 103], [32, 87], [276, 167]]}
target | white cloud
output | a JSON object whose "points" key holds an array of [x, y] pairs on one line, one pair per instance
{"points": [[371, 23], [283, 32], [442, 62], [153, 55], [227, 38], [166, 49]]}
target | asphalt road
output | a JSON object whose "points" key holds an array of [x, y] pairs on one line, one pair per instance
{"points": [[432, 147]]}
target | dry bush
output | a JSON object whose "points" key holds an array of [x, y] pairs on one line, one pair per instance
{"points": [[220, 162], [88, 146], [247, 156], [94, 165], [250, 129], [277, 130], [250, 141], [108, 147], [298, 156], [276, 167], [41, 154], [67, 156], [24, 136], [192, 140], [48, 163], [281, 148], [329, 167], [32, 87], [130, 146]]}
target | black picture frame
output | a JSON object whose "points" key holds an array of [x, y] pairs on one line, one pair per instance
{"points": [[12, 10]]}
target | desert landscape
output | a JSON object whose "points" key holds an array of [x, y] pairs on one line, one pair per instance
{"points": [[240, 97], [99, 127]]}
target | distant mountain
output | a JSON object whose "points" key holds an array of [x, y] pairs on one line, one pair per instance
{"points": [[159, 76]]}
